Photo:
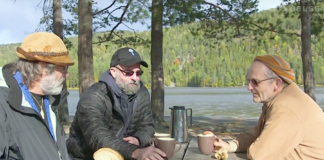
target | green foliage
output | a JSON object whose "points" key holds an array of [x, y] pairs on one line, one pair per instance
{"points": [[196, 61], [228, 19], [105, 18]]}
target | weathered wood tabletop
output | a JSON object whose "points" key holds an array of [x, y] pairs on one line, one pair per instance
{"points": [[190, 151]]}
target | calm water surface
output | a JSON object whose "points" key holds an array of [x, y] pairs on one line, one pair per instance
{"points": [[233, 102]]}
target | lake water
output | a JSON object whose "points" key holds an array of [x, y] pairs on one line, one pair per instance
{"points": [[235, 102]]}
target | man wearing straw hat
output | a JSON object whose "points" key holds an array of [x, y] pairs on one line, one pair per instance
{"points": [[29, 128], [291, 125]]}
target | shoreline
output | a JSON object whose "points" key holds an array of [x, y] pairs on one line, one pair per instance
{"points": [[173, 86], [227, 128]]}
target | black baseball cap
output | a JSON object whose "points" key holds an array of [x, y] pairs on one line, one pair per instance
{"points": [[126, 57]]}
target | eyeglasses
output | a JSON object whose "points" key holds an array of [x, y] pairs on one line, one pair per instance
{"points": [[130, 73], [64, 69], [255, 82]]}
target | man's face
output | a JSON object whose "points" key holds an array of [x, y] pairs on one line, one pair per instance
{"points": [[262, 87], [52, 83], [127, 78]]}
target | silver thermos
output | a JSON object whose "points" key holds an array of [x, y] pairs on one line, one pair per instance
{"points": [[178, 126]]}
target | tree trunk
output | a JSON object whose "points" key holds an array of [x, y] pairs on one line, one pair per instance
{"points": [[156, 62], [85, 54], [63, 110], [308, 72], [57, 18]]}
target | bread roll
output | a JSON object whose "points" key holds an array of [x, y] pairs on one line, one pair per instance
{"points": [[221, 154], [107, 154]]}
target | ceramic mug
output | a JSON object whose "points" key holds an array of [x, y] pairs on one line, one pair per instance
{"points": [[206, 143], [159, 135], [167, 145]]}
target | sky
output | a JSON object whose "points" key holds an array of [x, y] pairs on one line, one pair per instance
{"points": [[21, 17]]}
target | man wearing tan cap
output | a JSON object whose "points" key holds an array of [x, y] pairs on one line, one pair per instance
{"points": [[291, 125], [29, 128]]}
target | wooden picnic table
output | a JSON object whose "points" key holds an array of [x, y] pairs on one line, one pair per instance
{"points": [[190, 151]]}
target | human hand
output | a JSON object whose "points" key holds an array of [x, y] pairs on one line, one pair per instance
{"points": [[208, 132], [218, 143], [148, 153], [131, 140]]}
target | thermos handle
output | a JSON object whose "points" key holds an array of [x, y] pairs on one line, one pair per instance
{"points": [[190, 115]]}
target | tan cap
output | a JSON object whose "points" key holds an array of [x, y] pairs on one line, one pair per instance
{"points": [[278, 66], [44, 47]]}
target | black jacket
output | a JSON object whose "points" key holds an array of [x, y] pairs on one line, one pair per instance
{"points": [[99, 122], [23, 133]]}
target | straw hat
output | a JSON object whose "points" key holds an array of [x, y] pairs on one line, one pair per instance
{"points": [[44, 47], [107, 154]]}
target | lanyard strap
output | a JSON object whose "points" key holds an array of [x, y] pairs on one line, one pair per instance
{"points": [[30, 100]]}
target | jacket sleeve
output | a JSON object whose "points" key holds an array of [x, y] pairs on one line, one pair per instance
{"points": [[93, 118], [244, 140], [146, 128], [3, 135], [281, 134]]}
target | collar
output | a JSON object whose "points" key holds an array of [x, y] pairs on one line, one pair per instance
{"points": [[290, 88], [15, 95]]}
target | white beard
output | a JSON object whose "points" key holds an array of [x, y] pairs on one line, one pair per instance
{"points": [[129, 90], [50, 86]]}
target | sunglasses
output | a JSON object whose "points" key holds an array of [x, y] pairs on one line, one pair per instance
{"points": [[130, 73], [255, 82]]}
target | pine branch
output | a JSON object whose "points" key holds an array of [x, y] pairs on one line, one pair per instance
{"points": [[105, 8], [224, 11], [121, 18], [268, 29]]}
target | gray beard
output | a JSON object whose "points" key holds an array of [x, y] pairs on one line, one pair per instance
{"points": [[129, 90], [50, 86]]}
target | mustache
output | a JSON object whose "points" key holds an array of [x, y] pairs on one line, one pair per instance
{"points": [[134, 82]]}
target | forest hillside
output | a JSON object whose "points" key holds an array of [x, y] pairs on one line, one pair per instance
{"points": [[196, 61]]}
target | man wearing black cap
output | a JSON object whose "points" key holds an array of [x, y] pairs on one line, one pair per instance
{"points": [[115, 113]]}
